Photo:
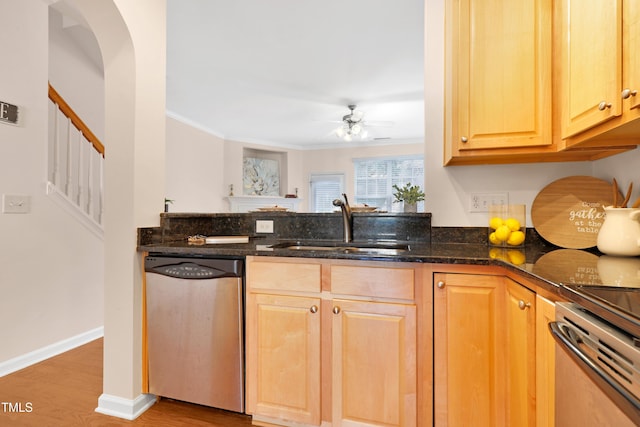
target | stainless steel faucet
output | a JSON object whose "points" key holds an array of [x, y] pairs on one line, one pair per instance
{"points": [[346, 217]]}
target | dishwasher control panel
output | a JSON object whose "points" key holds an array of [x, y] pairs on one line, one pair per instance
{"points": [[193, 268]]}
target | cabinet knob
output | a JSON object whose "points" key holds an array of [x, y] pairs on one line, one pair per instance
{"points": [[314, 309], [523, 305], [440, 284], [464, 139], [627, 93], [604, 105], [336, 310]]}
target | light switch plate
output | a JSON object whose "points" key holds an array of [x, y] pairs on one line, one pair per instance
{"points": [[264, 226], [12, 203]]}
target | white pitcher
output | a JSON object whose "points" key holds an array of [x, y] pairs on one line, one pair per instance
{"points": [[620, 232]]}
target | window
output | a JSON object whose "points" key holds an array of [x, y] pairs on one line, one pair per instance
{"points": [[375, 178], [325, 188]]}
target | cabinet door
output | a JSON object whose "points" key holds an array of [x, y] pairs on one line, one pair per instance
{"points": [[283, 357], [373, 364], [484, 351], [591, 63], [500, 74], [631, 55], [520, 328], [470, 365], [545, 363]]}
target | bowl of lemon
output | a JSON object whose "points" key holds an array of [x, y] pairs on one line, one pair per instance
{"points": [[507, 225]]}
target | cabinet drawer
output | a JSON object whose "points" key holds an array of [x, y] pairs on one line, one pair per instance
{"points": [[284, 276], [382, 282]]}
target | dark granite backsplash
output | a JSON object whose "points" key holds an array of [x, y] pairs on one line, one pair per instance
{"points": [[288, 225], [316, 226]]}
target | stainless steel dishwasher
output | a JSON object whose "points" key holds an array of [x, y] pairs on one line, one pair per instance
{"points": [[195, 328]]}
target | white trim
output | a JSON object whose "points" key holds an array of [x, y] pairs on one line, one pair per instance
{"points": [[68, 205], [124, 408], [21, 362]]}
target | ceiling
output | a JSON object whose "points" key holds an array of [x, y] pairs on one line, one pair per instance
{"points": [[282, 72]]}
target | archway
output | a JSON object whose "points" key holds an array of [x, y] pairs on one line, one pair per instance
{"points": [[132, 39]]}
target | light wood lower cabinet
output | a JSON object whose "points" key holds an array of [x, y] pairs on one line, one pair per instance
{"points": [[283, 369], [373, 363], [324, 347], [545, 363], [484, 351]]}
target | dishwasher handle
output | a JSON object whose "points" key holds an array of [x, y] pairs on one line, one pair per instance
{"points": [[569, 340]]}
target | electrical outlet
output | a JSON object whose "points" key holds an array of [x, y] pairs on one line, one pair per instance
{"points": [[480, 202], [16, 203], [264, 226]]}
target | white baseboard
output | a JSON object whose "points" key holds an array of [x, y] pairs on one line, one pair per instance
{"points": [[21, 362], [124, 408]]}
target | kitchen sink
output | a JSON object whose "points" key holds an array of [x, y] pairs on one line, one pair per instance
{"points": [[346, 247]]}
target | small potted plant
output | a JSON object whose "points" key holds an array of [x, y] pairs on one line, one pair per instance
{"points": [[410, 195]]}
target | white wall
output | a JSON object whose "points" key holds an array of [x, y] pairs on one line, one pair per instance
{"points": [[201, 166], [51, 268], [74, 73], [194, 169], [624, 168]]}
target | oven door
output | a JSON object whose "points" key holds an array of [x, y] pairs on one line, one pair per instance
{"points": [[591, 365]]}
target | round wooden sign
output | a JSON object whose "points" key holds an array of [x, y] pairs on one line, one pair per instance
{"points": [[568, 212]]}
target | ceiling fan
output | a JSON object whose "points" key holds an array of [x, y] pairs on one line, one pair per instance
{"points": [[353, 125]]}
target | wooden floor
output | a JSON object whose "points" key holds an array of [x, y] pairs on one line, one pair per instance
{"points": [[63, 392]]}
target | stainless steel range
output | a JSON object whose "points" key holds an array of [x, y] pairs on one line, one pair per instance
{"points": [[597, 370]]}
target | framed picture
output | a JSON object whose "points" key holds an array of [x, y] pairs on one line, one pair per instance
{"points": [[261, 177]]}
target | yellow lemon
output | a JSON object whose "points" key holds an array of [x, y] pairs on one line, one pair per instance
{"points": [[493, 239], [495, 222], [502, 233], [515, 257], [513, 224], [515, 238]]}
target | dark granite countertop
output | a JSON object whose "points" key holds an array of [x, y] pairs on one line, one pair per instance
{"points": [[520, 259]]}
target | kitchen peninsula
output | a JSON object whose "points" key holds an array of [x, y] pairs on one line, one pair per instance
{"points": [[380, 324]]}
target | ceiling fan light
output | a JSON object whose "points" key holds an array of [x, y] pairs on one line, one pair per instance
{"points": [[356, 129], [340, 132], [347, 137], [364, 134]]}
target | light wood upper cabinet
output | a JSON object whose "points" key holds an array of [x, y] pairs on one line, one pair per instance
{"points": [[484, 351], [498, 77], [511, 78], [600, 73], [591, 64]]}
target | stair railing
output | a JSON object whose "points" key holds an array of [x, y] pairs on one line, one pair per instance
{"points": [[76, 162]]}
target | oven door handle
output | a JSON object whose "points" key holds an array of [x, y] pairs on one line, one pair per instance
{"points": [[569, 339]]}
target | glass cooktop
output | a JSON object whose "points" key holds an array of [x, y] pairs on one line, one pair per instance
{"points": [[608, 286]]}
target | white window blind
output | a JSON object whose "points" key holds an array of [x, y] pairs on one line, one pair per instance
{"points": [[324, 189], [375, 178]]}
